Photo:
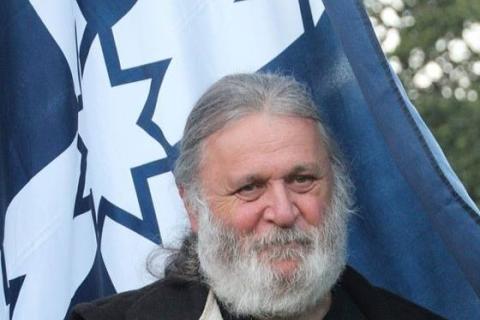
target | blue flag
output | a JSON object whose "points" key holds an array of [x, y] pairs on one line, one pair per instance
{"points": [[93, 99]]}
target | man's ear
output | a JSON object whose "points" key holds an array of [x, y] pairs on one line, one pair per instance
{"points": [[191, 212]]}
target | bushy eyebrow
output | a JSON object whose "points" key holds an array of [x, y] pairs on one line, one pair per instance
{"points": [[312, 168], [253, 178], [234, 186]]}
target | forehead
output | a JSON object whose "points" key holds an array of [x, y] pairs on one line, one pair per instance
{"points": [[264, 142]]}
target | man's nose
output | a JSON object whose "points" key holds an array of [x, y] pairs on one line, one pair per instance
{"points": [[280, 208]]}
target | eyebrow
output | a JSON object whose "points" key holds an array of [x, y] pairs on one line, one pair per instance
{"points": [[314, 168], [249, 179]]}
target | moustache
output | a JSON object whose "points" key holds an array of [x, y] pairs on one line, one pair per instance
{"points": [[283, 244]]}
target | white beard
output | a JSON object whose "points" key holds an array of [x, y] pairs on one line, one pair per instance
{"points": [[245, 281]]}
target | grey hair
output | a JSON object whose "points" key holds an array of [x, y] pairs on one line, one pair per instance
{"points": [[236, 96]]}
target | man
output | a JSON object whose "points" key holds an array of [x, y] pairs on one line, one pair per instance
{"points": [[268, 198]]}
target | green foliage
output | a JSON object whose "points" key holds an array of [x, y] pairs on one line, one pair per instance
{"points": [[433, 20], [457, 129], [449, 103], [454, 122]]}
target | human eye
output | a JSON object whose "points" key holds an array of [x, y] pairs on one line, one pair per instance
{"points": [[251, 191], [302, 183]]}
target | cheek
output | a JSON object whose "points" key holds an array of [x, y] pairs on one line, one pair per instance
{"points": [[313, 205], [245, 217], [313, 210], [242, 217]]}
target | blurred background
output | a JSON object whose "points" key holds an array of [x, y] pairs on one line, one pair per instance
{"points": [[434, 46]]}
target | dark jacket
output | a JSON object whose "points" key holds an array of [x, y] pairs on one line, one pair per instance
{"points": [[172, 299]]}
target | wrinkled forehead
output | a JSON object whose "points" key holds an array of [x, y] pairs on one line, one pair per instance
{"points": [[264, 139], [260, 129]]}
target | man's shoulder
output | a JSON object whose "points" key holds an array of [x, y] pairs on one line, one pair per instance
{"points": [[378, 303], [172, 299]]}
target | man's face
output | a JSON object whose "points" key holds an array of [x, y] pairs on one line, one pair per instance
{"points": [[265, 172]]}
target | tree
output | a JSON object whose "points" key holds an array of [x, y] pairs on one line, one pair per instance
{"points": [[434, 46]]}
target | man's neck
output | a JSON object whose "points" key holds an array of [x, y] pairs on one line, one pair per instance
{"points": [[316, 313]]}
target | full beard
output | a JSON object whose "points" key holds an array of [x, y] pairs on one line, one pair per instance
{"points": [[239, 267]]}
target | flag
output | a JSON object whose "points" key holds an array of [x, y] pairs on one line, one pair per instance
{"points": [[93, 99]]}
